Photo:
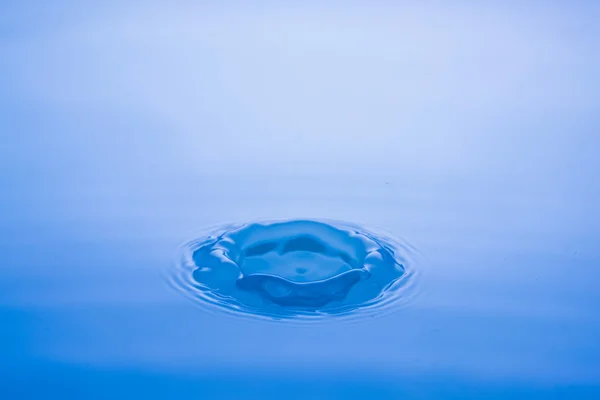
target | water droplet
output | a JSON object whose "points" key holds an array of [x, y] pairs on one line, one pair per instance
{"points": [[297, 269]]}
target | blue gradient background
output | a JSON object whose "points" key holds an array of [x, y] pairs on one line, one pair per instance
{"points": [[469, 128]]}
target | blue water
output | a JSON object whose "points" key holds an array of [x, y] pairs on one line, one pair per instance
{"points": [[295, 269], [465, 135]]}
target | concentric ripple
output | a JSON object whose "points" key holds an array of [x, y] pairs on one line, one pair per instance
{"points": [[301, 269]]}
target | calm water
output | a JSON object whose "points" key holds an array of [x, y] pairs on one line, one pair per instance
{"points": [[469, 131]]}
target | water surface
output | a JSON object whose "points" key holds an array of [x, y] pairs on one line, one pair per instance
{"points": [[468, 130]]}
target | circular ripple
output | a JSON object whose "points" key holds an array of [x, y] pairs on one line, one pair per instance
{"points": [[300, 269]]}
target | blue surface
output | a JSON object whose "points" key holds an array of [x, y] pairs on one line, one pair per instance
{"points": [[469, 129]]}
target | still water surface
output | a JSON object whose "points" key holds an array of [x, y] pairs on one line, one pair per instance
{"points": [[469, 131]]}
